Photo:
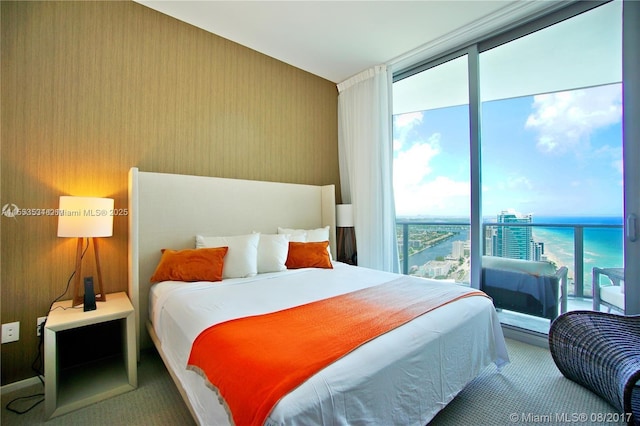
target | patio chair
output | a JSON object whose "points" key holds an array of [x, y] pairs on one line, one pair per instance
{"points": [[600, 351], [612, 295], [529, 287]]}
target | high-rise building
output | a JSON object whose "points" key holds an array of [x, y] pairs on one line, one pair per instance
{"points": [[489, 237], [458, 249], [515, 242], [537, 250]]}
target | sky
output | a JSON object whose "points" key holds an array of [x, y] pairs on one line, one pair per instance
{"points": [[557, 154]]}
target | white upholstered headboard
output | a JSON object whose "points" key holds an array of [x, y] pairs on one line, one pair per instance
{"points": [[169, 210]]}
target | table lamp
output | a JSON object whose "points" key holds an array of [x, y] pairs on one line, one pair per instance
{"points": [[346, 233], [85, 217]]}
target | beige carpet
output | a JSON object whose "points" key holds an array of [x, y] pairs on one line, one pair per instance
{"points": [[156, 401], [530, 390]]}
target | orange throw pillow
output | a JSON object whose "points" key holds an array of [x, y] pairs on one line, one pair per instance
{"points": [[308, 255], [204, 264]]}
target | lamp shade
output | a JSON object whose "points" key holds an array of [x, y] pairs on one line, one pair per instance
{"points": [[344, 216], [85, 217]]}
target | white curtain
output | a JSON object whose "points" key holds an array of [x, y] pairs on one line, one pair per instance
{"points": [[366, 159]]}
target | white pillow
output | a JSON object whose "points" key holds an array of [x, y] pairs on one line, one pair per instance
{"points": [[312, 235], [295, 235], [241, 259], [300, 237], [308, 235], [272, 252]]}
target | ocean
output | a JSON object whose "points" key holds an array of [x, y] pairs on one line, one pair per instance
{"points": [[603, 247]]}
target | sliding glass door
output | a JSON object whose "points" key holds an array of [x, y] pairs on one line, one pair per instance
{"points": [[549, 155], [552, 155], [631, 154]]}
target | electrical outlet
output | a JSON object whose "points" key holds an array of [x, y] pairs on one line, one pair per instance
{"points": [[10, 332], [39, 322]]}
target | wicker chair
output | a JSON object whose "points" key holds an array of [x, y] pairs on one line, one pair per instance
{"points": [[600, 351]]}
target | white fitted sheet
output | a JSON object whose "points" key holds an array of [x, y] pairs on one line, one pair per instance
{"points": [[403, 377]]}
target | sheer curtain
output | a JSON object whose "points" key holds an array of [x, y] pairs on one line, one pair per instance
{"points": [[365, 159]]}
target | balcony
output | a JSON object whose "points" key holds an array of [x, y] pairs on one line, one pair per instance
{"points": [[579, 254]]}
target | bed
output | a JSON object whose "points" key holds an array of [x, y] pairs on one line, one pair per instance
{"points": [[403, 376]]}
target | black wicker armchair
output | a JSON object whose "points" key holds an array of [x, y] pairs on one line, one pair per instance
{"points": [[601, 352]]}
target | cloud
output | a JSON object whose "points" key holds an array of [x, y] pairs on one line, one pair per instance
{"points": [[411, 118], [611, 155], [403, 124], [618, 165], [441, 196], [516, 182], [417, 192], [412, 166], [565, 120]]}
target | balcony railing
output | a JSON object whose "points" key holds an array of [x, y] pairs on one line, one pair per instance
{"points": [[578, 242]]}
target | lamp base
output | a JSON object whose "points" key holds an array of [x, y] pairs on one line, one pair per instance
{"points": [[99, 293], [347, 246], [89, 295]]}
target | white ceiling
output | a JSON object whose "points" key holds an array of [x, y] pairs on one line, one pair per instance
{"points": [[338, 39]]}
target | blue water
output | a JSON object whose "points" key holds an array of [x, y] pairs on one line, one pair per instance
{"points": [[603, 247], [442, 249]]}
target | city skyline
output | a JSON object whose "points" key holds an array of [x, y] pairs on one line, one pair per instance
{"points": [[557, 154]]}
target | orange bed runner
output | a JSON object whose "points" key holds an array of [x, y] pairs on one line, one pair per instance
{"points": [[253, 362]]}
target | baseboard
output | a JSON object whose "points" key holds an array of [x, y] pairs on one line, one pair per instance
{"points": [[526, 336], [12, 387]]}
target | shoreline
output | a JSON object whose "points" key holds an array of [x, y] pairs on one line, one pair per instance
{"points": [[559, 247]]}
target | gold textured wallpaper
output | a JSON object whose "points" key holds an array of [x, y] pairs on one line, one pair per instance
{"points": [[90, 89]]}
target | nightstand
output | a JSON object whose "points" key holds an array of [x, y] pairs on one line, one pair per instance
{"points": [[69, 387]]}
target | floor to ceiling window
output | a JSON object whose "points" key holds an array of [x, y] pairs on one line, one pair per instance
{"points": [[550, 164], [431, 171]]}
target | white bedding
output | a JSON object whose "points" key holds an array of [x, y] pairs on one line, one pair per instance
{"points": [[403, 377]]}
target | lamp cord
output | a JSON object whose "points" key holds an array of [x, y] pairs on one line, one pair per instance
{"points": [[70, 278], [38, 361]]}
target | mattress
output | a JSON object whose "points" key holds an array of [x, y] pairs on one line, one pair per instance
{"points": [[402, 377]]}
